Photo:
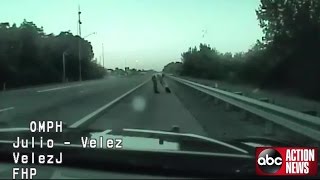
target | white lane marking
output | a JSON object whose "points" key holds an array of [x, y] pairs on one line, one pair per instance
{"points": [[6, 109], [93, 114], [58, 88], [67, 143]]}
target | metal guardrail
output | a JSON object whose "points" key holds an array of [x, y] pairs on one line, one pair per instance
{"points": [[296, 121]]}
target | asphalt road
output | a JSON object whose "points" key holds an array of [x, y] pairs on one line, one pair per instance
{"points": [[67, 102], [192, 111], [144, 109]]}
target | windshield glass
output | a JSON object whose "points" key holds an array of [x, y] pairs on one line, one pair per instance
{"points": [[214, 71]]}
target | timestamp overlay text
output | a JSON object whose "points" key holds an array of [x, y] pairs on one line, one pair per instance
{"points": [[38, 146]]}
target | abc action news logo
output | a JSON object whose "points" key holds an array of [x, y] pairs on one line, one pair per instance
{"points": [[277, 161]]}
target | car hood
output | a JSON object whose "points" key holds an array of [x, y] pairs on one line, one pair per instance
{"points": [[142, 139]]}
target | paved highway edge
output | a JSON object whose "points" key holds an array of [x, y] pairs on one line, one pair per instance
{"points": [[270, 116], [83, 122]]}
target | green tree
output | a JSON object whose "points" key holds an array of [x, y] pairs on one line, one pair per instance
{"points": [[29, 56]]}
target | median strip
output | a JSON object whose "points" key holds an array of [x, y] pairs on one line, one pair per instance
{"points": [[58, 88], [101, 110]]}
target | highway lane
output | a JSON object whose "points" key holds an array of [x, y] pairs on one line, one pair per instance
{"points": [[185, 107], [190, 110], [144, 109], [63, 102]]}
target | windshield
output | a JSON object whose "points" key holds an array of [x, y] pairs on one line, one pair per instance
{"points": [[224, 70]]}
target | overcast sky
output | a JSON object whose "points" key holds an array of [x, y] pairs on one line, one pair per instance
{"points": [[144, 33]]}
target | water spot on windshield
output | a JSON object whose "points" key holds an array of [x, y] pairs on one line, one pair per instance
{"points": [[139, 103]]}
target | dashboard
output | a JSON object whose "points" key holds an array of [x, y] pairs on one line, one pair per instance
{"points": [[75, 162]]}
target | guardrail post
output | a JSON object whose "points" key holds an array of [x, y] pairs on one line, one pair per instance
{"points": [[228, 106], [4, 86], [234, 107], [269, 126]]}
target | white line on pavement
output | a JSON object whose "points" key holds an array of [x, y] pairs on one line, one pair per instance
{"points": [[58, 88], [101, 109], [6, 109]]}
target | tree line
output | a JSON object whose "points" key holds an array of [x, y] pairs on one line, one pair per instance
{"points": [[28, 56], [287, 57]]}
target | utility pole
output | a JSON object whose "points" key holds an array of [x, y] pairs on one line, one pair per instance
{"points": [[64, 67], [102, 55], [79, 43]]}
